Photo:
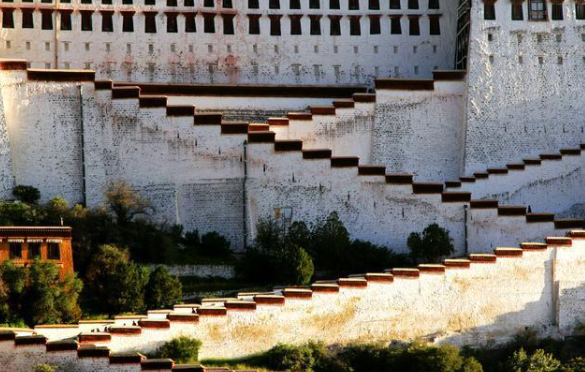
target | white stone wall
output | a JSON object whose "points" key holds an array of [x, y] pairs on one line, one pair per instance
{"points": [[421, 131], [203, 271], [488, 302], [6, 175], [533, 185], [44, 127], [525, 86], [240, 58]]}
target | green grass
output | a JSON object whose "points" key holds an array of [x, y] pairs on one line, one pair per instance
{"points": [[250, 362]]}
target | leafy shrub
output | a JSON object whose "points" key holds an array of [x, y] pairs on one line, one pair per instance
{"points": [[296, 266], [162, 290], [432, 245], [27, 194], [310, 357], [182, 349], [213, 244], [574, 365], [44, 368], [539, 361]]}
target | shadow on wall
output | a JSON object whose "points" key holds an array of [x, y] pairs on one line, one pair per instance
{"points": [[556, 313]]}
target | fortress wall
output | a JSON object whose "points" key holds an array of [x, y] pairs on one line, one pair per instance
{"points": [[488, 299], [240, 58], [520, 108], [6, 177], [420, 131], [532, 186], [44, 127]]}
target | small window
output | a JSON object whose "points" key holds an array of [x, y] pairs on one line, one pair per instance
{"points": [[53, 251], [127, 22], [354, 4], [334, 4], [254, 24], [172, 3], [316, 25], [354, 26], [27, 18], [208, 3], [107, 23], [489, 10], [189, 2], [374, 4], [274, 4], [86, 1], [335, 26], [295, 25], [66, 21], [15, 250], [228, 24], [413, 4], [375, 25], [394, 4], [557, 11], [190, 25], [209, 23], [414, 26], [253, 4], [86, 21], [149, 2], [46, 20], [127, 2], [434, 4], [314, 4], [559, 60], [227, 4], [34, 250], [395, 26], [537, 10], [275, 26], [434, 26], [517, 11], [580, 10], [104, 2], [172, 26], [150, 23], [295, 4]]}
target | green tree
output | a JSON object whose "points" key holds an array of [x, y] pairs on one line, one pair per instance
{"points": [[268, 236], [27, 194], [539, 361], [432, 245], [213, 244], [116, 283], [124, 203], [296, 266], [330, 243], [162, 290], [182, 349], [47, 298]]}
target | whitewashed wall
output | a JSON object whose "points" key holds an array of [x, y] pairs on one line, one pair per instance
{"points": [[525, 86], [6, 175], [421, 131], [240, 58], [488, 300]]}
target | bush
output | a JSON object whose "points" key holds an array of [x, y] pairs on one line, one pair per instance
{"points": [[310, 357], [213, 244], [539, 361], [574, 365], [44, 368], [296, 266], [431, 246], [182, 349], [162, 290], [27, 194]]}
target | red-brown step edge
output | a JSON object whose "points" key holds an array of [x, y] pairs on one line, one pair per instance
{"points": [[288, 145], [372, 170], [207, 118]]}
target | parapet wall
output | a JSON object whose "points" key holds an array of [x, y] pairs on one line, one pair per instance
{"points": [[487, 298]]}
